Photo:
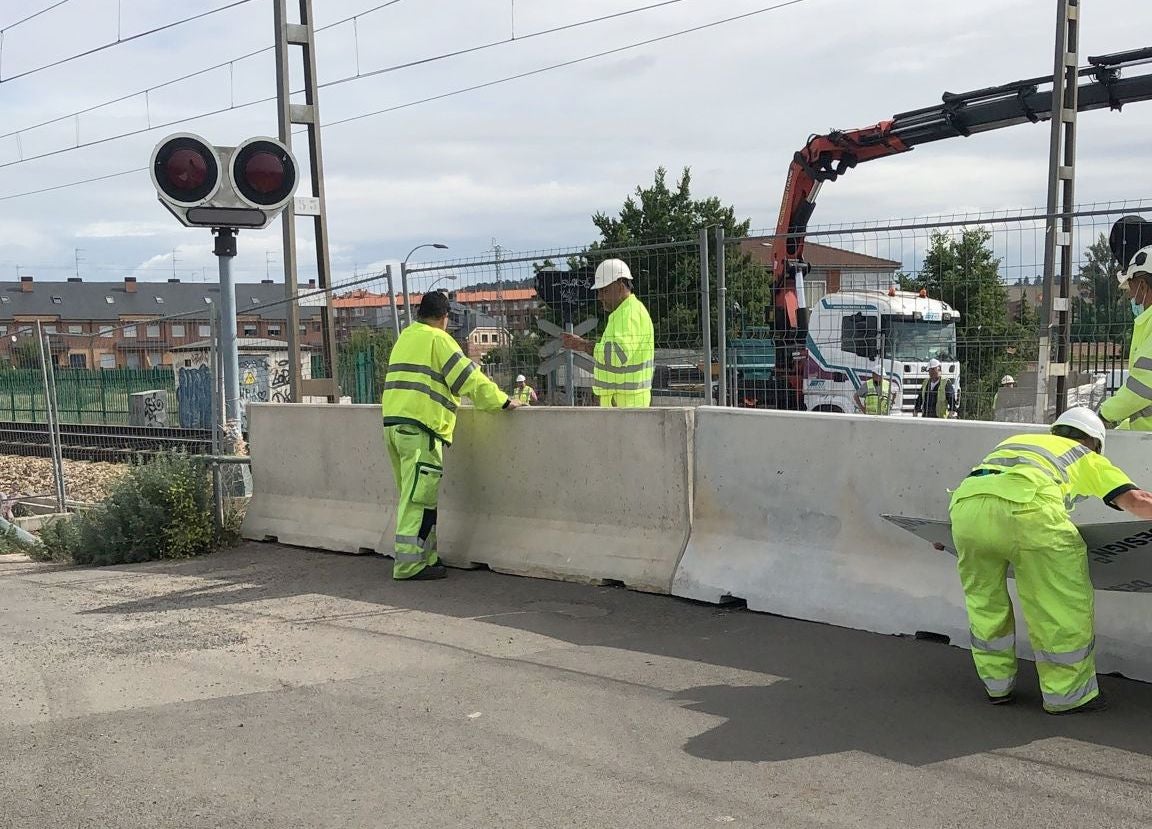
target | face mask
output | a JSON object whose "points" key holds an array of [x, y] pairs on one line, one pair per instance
{"points": [[1137, 308]]}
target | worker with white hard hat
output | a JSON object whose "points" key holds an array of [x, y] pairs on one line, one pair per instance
{"points": [[523, 393], [625, 356], [1007, 380], [930, 402], [1131, 406], [1013, 510], [876, 396]]}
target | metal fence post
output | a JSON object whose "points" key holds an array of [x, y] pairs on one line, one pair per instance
{"points": [[722, 315], [392, 299], [50, 411], [706, 315], [214, 372]]}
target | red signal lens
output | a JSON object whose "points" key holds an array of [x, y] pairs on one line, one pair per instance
{"points": [[264, 172], [186, 169]]}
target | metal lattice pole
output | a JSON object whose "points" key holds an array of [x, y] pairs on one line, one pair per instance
{"points": [[1056, 320]]}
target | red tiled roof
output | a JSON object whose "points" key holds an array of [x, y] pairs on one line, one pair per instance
{"points": [[362, 298]]}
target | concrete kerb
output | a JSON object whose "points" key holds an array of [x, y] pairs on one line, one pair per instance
{"points": [[787, 517]]}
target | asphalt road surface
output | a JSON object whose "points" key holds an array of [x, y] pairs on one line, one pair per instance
{"points": [[273, 687]]}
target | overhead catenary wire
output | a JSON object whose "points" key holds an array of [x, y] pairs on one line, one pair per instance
{"points": [[360, 76], [34, 15], [122, 40], [188, 76], [408, 104]]}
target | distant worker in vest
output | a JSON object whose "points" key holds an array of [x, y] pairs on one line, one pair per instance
{"points": [[877, 396], [1013, 510], [427, 374], [937, 396], [625, 356], [1131, 406], [524, 394]]}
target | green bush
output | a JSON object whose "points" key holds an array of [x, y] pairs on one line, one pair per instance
{"points": [[160, 510]]}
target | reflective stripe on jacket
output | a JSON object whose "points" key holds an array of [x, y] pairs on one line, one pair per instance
{"points": [[427, 375]]}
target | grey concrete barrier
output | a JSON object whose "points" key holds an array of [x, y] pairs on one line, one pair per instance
{"points": [[590, 495], [787, 518], [597, 495], [321, 477]]}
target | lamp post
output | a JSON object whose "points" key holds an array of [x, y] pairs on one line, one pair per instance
{"points": [[404, 275], [451, 276]]}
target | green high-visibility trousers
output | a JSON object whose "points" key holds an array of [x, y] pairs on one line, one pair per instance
{"points": [[1048, 557], [417, 467]]}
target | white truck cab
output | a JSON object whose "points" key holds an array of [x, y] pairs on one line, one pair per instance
{"points": [[852, 332]]}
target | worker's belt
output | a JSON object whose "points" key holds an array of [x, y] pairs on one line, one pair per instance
{"points": [[980, 473]]}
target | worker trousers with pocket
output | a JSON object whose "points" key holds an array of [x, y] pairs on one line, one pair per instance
{"points": [[1003, 520], [417, 467]]}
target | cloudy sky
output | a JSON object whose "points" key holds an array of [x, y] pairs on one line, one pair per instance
{"points": [[525, 162]]}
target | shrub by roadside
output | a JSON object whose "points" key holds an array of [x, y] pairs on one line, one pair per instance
{"points": [[160, 510]]}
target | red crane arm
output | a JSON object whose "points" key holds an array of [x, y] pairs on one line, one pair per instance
{"points": [[824, 158]]}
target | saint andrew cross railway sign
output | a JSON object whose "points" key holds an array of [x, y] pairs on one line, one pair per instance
{"points": [[553, 352]]}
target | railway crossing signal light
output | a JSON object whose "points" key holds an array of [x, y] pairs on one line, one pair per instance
{"points": [[239, 187]]}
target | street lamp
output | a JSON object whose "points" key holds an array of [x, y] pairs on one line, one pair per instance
{"points": [[404, 275], [451, 276]]}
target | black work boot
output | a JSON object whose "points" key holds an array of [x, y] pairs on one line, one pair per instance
{"points": [[432, 571], [1006, 699]]}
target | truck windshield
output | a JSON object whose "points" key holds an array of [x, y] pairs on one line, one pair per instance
{"points": [[919, 340]]}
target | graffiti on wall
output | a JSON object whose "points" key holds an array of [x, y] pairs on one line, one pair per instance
{"points": [[148, 408], [194, 396]]}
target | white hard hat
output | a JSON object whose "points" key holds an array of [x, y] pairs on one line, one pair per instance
{"points": [[1141, 264], [933, 363], [520, 378], [1006, 379], [609, 271], [1083, 420]]}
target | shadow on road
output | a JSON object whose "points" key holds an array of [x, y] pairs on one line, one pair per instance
{"points": [[841, 690]]}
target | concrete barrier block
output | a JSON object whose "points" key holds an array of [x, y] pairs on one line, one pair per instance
{"points": [[321, 477], [787, 518], [592, 495]]}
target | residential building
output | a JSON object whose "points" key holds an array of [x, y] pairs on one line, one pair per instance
{"points": [[832, 269], [131, 324], [363, 308]]}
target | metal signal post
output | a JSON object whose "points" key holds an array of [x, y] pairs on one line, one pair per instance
{"points": [[303, 34]]}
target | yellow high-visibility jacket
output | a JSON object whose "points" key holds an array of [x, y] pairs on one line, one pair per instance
{"points": [[625, 357], [1131, 406], [427, 375]]}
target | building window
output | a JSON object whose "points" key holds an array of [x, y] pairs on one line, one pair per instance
{"points": [[159, 300], [178, 331], [273, 329], [152, 332], [77, 361], [107, 361], [250, 329], [57, 300], [106, 333], [483, 338], [357, 312], [303, 328], [109, 300], [155, 359], [75, 329], [130, 332], [204, 331], [3, 329], [49, 329], [132, 360]]}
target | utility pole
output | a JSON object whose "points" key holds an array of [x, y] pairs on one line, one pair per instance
{"points": [[77, 252], [303, 35], [500, 287], [173, 263], [1056, 318], [268, 256]]}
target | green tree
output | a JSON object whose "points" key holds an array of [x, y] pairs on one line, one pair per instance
{"points": [[964, 272], [1110, 316], [668, 279], [25, 353]]}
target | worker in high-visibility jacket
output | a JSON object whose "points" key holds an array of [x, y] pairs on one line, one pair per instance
{"points": [[876, 396], [1013, 510], [427, 374], [523, 393], [1131, 406], [625, 356]]}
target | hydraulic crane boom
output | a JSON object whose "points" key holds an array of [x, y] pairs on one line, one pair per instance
{"points": [[827, 157]]}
